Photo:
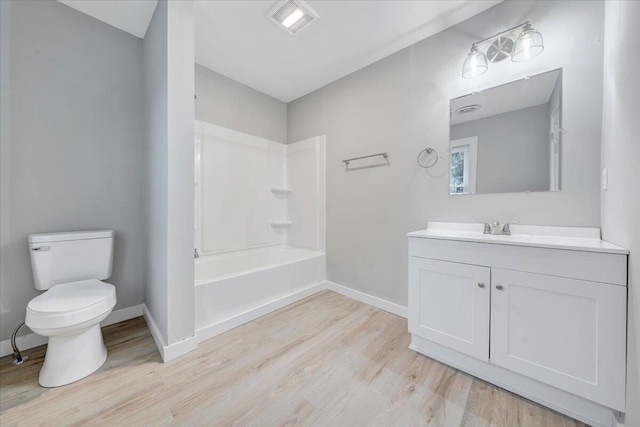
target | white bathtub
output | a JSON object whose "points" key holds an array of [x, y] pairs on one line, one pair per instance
{"points": [[236, 287]]}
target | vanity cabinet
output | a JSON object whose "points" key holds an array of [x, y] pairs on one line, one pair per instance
{"points": [[542, 316]]}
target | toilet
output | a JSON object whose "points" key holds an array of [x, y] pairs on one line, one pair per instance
{"points": [[70, 267]]}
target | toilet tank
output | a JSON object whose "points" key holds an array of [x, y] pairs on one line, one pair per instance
{"points": [[71, 256]]}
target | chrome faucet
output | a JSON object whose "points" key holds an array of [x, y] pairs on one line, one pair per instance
{"points": [[195, 253], [498, 229]]}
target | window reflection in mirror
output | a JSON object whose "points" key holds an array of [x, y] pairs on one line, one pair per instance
{"points": [[464, 160], [459, 175], [507, 138]]}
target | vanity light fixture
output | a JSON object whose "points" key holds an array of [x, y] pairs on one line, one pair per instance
{"points": [[292, 15], [529, 44]]}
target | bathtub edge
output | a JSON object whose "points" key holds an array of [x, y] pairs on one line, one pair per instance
{"points": [[229, 323]]}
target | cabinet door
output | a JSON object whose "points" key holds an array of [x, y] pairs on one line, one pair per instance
{"points": [[449, 304], [564, 332]]}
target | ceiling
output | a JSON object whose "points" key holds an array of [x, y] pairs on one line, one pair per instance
{"points": [[132, 16], [236, 39]]}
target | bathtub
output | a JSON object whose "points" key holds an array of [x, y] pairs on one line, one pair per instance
{"points": [[236, 287]]}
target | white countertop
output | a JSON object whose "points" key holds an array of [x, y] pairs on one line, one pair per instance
{"points": [[567, 238]]}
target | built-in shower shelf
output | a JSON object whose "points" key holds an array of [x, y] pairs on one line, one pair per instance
{"points": [[281, 191], [282, 223]]}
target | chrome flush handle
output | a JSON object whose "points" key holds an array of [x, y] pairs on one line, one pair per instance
{"points": [[41, 248]]}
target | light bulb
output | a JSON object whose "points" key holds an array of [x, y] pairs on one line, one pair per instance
{"points": [[475, 64], [529, 44]]}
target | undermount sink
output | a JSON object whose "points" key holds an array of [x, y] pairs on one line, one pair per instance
{"points": [[569, 238]]}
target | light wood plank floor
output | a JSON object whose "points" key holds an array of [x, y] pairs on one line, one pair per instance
{"points": [[324, 361]]}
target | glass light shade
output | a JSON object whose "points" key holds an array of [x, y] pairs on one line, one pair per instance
{"points": [[475, 64], [528, 45]]}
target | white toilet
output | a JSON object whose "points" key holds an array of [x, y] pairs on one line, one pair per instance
{"points": [[70, 267]]}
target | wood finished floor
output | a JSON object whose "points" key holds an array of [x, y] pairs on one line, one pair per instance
{"points": [[324, 361]]}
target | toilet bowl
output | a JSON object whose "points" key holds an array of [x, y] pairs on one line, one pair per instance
{"points": [[70, 267], [70, 315]]}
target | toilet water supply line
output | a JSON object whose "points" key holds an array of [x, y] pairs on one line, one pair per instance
{"points": [[17, 357]]}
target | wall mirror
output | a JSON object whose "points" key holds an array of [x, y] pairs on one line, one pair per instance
{"points": [[506, 139]]}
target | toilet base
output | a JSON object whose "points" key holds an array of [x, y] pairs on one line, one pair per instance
{"points": [[70, 358]]}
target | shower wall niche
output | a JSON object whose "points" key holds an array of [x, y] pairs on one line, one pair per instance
{"points": [[251, 192]]}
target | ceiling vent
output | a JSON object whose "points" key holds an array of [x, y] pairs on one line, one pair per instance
{"points": [[292, 15], [469, 109]]}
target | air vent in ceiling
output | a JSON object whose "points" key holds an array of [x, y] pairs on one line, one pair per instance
{"points": [[467, 109], [292, 15]]}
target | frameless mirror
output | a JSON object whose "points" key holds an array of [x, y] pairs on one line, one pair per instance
{"points": [[507, 138]]}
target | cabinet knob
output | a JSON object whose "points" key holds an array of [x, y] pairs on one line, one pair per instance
{"points": [[499, 287], [480, 285]]}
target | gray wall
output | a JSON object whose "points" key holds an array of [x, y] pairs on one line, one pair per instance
{"points": [[155, 166], [168, 52], [230, 104], [620, 154], [71, 143], [400, 104], [513, 150]]}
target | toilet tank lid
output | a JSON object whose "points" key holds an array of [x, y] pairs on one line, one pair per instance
{"points": [[70, 235]]}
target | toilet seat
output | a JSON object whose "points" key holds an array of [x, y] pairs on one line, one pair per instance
{"points": [[70, 304]]}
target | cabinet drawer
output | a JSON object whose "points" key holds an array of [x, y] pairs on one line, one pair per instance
{"points": [[592, 266]]}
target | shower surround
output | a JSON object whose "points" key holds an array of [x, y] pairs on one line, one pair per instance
{"points": [[260, 225]]}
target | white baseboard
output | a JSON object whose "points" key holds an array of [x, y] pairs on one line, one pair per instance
{"points": [[242, 318], [247, 316], [382, 304], [172, 351], [32, 340], [123, 314]]}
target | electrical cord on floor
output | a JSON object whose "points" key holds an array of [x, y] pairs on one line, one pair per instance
{"points": [[17, 357]]}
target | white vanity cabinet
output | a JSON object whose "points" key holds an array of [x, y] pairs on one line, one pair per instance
{"points": [[541, 312]]}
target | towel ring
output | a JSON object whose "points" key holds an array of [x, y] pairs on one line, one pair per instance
{"points": [[428, 150]]}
